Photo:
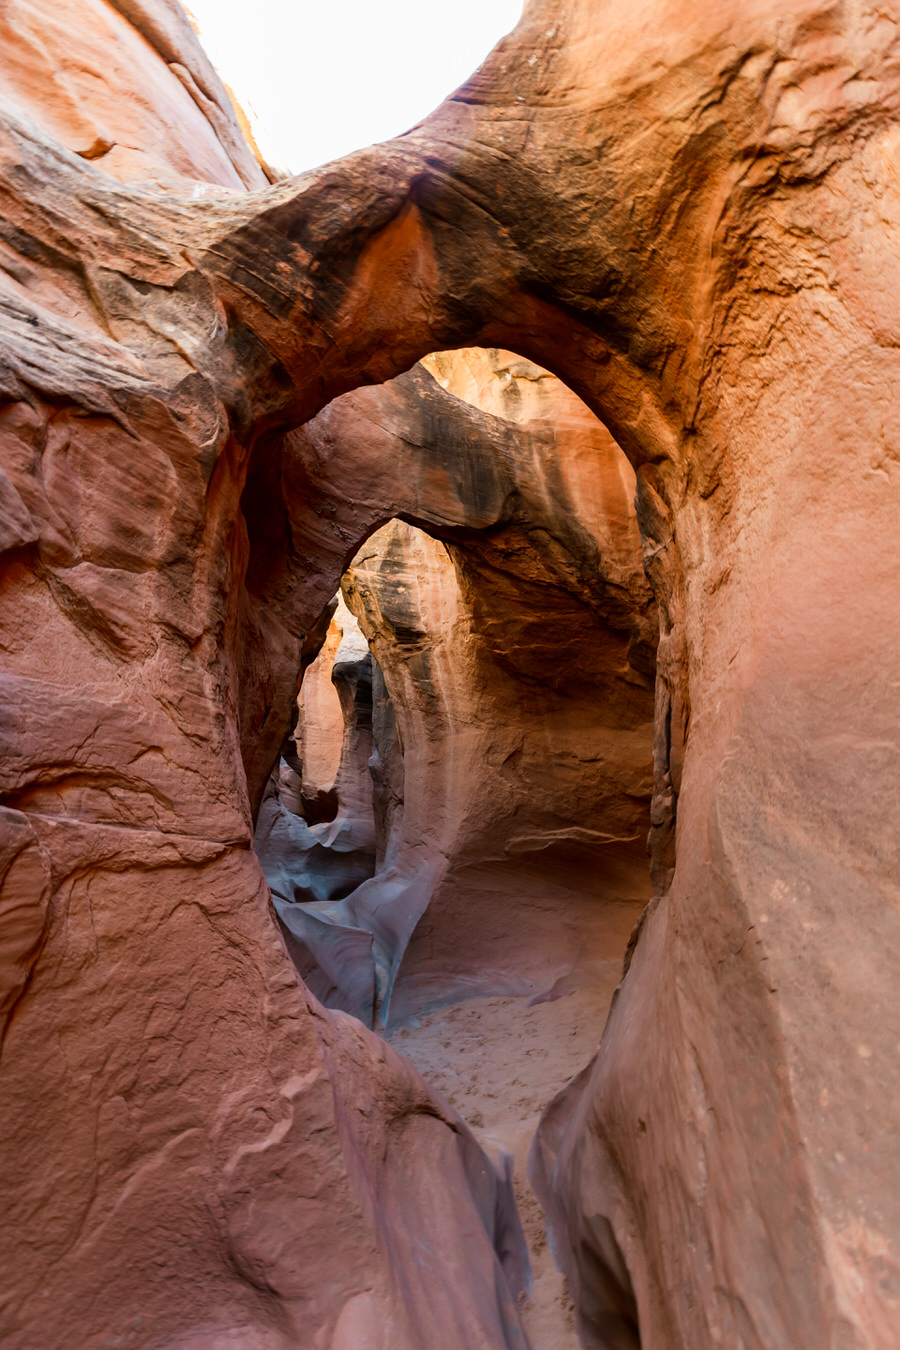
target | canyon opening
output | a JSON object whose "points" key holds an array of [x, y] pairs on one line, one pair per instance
{"points": [[448, 837]]}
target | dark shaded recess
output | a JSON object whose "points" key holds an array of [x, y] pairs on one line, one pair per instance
{"points": [[269, 646], [554, 626], [256, 399], [289, 745], [44, 254], [267, 521], [642, 654], [319, 808], [447, 433], [607, 1308], [330, 871], [353, 682], [333, 874]]}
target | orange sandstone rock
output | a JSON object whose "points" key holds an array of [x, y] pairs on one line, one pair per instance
{"points": [[688, 214], [125, 83]]}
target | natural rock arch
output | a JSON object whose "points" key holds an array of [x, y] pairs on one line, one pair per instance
{"points": [[534, 504], [541, 501], [692, 222]]}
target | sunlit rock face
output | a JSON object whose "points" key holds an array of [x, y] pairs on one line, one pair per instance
{"points": [[319, 737], [125, 84], [690, 216]]}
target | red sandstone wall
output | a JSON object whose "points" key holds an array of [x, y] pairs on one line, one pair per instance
{"points": [[690, 216]]}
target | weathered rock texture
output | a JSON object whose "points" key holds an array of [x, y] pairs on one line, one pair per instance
{"points": [[516, 716], [524, 825], [195, 1153], [126, 84], [517, 657], [690, 215], [518, 660], [316, 832]]}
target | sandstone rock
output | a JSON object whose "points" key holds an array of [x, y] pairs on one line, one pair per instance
{"points": [[204, 1156], [524, 724], [126, 84], [320, 732], [518, 660], [354, 824], [689, 216]]}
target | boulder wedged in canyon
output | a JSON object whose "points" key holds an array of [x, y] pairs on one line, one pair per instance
{"points": [[690, 216]]}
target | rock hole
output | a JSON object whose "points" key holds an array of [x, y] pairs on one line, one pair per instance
{"points": [[456, 833]]}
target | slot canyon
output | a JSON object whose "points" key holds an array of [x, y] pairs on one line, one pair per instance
{"points": [[450, 711]]}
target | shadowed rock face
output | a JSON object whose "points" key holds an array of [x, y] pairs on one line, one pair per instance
{"points": [[203, 1155], [517, 657], [690, 216]]}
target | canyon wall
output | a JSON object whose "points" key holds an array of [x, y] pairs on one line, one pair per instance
{"points": [[517, 656], [548, 865], [126, 84], [196, 1154], [690, 216]]}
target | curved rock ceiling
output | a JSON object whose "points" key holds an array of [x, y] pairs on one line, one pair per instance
{"points": [[688, 214]]}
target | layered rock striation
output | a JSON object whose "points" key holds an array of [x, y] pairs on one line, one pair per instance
{"points": [[690, 218], [196, 1154], [516, 646], [126, 85]]}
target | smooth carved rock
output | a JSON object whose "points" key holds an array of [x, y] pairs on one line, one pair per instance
{"points": [[517, 658], [316, 831], [125, 83], [319, 729], [523, 699], [203, 1155], [689, 216]]}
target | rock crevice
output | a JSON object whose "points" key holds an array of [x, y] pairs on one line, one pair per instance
{"points": [[690, 218]]}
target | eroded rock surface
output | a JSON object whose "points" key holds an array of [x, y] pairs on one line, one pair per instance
{"points": [[316, 832], [517, 651], [125, 84], [690, 215], [203, 1156]]}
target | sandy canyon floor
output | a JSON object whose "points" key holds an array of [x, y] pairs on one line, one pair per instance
{"points": [[499, 1061]]}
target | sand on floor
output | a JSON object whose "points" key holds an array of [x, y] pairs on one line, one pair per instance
{"points": [[499, 1061]]}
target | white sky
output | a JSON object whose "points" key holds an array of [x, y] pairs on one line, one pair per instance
{"points": [[320, 78]]}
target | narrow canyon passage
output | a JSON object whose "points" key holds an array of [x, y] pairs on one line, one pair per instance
{"points": [[583, 393], [489, 770], [477, 727], [499, 1062]]}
